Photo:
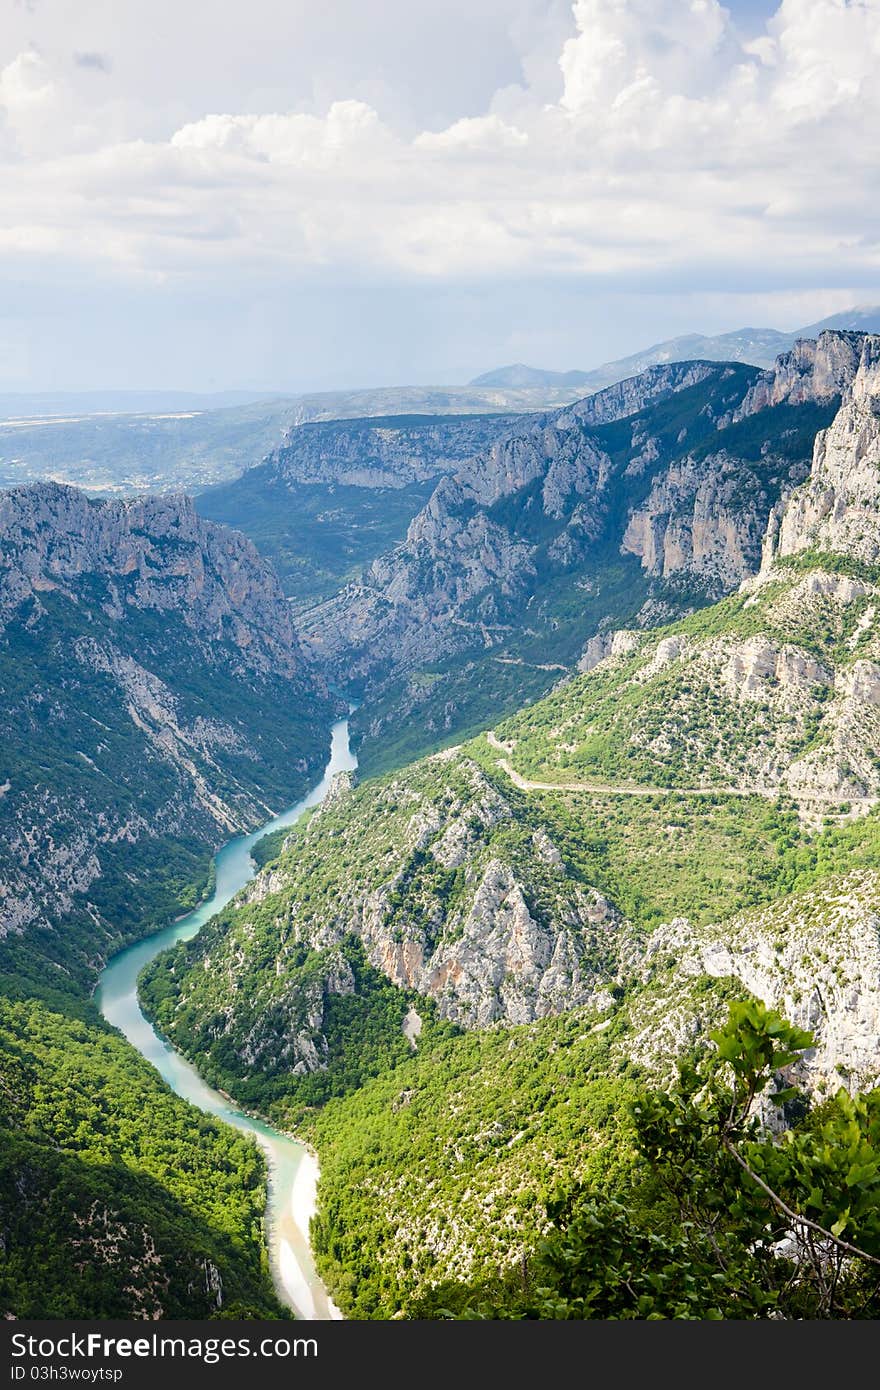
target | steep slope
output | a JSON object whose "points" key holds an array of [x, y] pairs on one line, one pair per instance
{"points": [[339, 493], [631, 506], [456, 976], [154, 700]]}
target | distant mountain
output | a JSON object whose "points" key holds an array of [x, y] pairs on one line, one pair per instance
{"points": [[759, 347], [519, 376], [865, 318]]}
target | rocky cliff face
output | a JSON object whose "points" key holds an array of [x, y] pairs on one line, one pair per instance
{"points": [[151, 555], [837, 509], [814, 370], [678, 468], [705, 521], [153, 693], [384, 453]]}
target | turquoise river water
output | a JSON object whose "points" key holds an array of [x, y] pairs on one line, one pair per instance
{"points": [[292, 1169]]}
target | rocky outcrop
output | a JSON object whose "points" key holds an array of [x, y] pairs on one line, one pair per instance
{"points": [[383, 453], [838, 508], [815, 958], [151, 554], [498, 961], [153, 689], [444, 891], [608, 644]]}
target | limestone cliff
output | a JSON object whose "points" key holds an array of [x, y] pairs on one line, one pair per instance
{"points": [[837, 509], [155, 700], [678, 468], [382, 453]]}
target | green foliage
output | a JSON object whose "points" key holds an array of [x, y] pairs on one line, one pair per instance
{"points": [[720, 1220], [114, 1193], [269, 847], [319, 536]]}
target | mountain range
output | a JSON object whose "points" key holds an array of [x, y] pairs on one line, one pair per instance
{"points": [[758, 346], [128, 443], [620, 776], [458, 978], [638, 503]]}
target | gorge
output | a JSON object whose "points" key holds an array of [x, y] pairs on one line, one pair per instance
{"points": [[457, 979]]}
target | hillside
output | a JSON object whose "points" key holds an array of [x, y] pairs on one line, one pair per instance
{"points": [[459, 976], [154, 700], [166, 447], [637, 504], [339, 493]]}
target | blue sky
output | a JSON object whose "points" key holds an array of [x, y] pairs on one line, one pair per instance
{"points": [[295, 195]]}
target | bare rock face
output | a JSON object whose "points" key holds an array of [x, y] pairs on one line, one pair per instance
{"points": [[501, 963], [815, 958], [704, 519], [813, 371], [153, 554], [838, 508], [608, 645]]}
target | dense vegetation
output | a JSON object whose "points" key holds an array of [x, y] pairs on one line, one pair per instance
{"points": [[579, 582], [102, 1214], [714, 1219], [116, 1198]]}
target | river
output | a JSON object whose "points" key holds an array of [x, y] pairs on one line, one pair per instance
{"points": [[292, 1169]]}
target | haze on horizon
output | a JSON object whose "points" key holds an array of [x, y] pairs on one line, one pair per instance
{"points": [[294, 196]]}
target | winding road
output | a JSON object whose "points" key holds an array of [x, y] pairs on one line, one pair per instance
{"points": [[617, 789]]}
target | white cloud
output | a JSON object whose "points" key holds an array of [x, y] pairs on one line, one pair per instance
{"points": [[475, 133], [664, 146]]}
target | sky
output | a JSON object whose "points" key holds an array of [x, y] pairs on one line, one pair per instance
{"points": [[305, 194]]}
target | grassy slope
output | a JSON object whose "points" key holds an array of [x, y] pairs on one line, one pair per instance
{"points": [[678, 725]]}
